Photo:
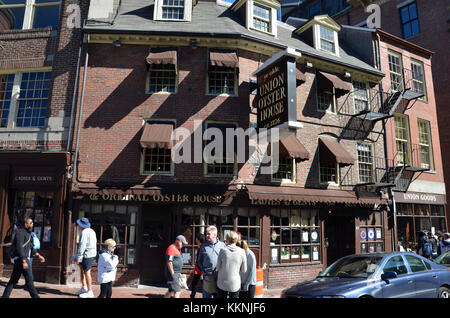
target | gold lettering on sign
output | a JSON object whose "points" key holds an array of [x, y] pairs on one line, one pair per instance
{"points": [[166, 198]]}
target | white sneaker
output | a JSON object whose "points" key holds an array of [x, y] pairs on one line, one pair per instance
{"points": [[81, 291], [88, 294]]}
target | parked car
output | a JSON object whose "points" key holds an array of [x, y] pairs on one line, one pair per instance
{"points": [[443, 259], [381, 275]]}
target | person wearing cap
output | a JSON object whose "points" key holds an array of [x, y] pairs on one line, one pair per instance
{"points": [[174, 264], [87, 251]]}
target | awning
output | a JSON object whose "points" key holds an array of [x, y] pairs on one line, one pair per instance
{"points": [[306, 196], [168, 56], [341, 87], [157, 136], [336, 150], [223, 59], [301, 78], [294, 147]]}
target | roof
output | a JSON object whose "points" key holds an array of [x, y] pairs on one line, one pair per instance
{"points": [[211, 19]]}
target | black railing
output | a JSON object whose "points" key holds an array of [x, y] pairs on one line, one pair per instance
{"points": [[375, 171]]}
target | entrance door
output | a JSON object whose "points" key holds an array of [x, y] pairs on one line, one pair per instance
{"points": [[340, 235], [156, 225]]}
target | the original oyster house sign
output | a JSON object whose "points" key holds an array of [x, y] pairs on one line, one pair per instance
{"points": [[276, 92]]}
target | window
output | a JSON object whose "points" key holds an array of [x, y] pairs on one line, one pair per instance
{"points": [[371, 233], [365, 162], [360, 97], [117, 222], [418, 78], [161, 78], [222, 167], [328, 173], [30, 106], [261, 18], [397, 265], [396, 71], [32, 14], [415, 263], [173, 9], [409, 20], [294, 235], [327, 42], [221, 80], [325, 101], [402, 139], [157, 160], [426, 153], [286, 168], [248, 226]]}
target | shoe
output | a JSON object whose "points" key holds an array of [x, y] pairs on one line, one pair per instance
{"points": [[88, 294], [81, 291]]}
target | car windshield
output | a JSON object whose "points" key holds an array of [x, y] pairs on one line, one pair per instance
{"points": [[443, 259], [353, 267]]}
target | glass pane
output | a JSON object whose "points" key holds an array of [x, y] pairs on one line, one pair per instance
{"points": [[227, 216], [305, 236], [314, 218], [315, 236], [295, 254], [131, 256], [275, 236], [132, 235], [306, 253], [242, 216], [254, 217], [275, 217], [121, 209], [305, 217], [275, 255], [295, 218], [285, 254], [316, 253], [46, 17], [284, 217], [254, 237], [285, 236], [296, 234]]}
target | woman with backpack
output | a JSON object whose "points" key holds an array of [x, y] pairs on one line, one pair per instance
{"points": [[424, 247]]}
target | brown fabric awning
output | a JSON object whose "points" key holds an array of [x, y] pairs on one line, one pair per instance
{"points": [[337, 150], [168, 56], [157, 136], [223, 59], [302, 195], [341, 86], [294, 147], [300, 76]]}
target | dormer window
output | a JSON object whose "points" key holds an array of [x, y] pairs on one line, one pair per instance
{"points": [[258, 15], [173, 10], [261, 18]]}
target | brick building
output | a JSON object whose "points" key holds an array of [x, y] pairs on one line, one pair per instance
{"points": [[38, 63], [425, 24], [153, 69]]}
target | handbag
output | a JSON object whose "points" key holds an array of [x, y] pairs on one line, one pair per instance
{"points": [[36, 242], [183, 281], [210, 283]]}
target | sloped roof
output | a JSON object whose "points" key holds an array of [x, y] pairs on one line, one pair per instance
{"points": [[214, 20]]}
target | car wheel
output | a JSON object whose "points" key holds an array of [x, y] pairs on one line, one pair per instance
{"points": [[444, 292]]}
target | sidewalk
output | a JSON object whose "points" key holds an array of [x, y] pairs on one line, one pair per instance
{"points": [[63, 291]]}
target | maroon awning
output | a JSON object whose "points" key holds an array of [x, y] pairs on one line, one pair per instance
{"points": [[223, 59], [303, 195], [300, 76], [341, 87], [336, 150], [157, 136], [294, 147], [168, 56]]}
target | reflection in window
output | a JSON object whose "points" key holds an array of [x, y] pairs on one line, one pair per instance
{"points": [[28, 14]]}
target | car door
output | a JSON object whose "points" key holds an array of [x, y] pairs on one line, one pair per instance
{"points": [[426, 281], [403, 284]]}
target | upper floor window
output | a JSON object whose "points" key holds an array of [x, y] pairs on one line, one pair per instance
{"points": [[418, 78], [261, 18], [395, 71], [24, 99], [327, 40], [174, 10], [426, 152], [409, 20], [220, 164], [365, 162], [402, 139], [31, 14], [162, 71], [222, 72], [360, 96]]}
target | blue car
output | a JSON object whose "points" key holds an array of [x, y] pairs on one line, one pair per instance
{"points": [[380, 275]]}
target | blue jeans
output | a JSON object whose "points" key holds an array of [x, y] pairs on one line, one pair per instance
{"points": [[207, 295]]}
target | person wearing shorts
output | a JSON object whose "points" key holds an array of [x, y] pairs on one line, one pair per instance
{"points": [[174, 264]]}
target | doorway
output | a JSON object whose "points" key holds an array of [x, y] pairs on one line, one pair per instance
{"points": [[156, 235], [339, 237]]}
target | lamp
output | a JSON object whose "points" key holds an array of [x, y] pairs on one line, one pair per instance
{"points": [[193, 44], [116, 43]]}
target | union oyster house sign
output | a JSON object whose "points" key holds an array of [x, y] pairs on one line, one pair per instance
{"points": [[276, 98]]}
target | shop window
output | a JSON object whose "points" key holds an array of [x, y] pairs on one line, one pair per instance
{"points": [[294, 236], [371, 233], [38, 206], [114, 221], [29, 14], [248, 227], [161, 78]]}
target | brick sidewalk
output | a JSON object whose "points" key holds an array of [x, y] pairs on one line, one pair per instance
{"points": [[65, 291]]}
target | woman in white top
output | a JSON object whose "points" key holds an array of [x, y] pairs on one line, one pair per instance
{"points": [[107, 268], [230, 263]]}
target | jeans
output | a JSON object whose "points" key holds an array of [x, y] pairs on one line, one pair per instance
{"points": [[105, 290], [195, 281], [223, 294], [250, 293], [15, 276]]}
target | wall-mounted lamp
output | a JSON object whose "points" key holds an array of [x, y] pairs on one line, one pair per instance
{"points": [[193, 44], [347, 74], [116, 43], [309, 64]]}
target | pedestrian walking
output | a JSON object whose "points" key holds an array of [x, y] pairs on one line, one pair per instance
{"points": [[174, 265], [107, 268], [21, 252], [87, 251], [445, 243], [434, 245], [207, 261], [424, 246], [199, 240], [231, 262], [248, 278]]}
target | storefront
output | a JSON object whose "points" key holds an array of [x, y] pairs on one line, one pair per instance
{"points": [[416, 212], [298, 233], [34, 185]]}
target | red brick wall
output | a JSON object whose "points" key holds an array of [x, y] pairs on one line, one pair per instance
{"points": [[286, 276]]}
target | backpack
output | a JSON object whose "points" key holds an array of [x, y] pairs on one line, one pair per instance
{"points": [[426, 248], [36, 242]]}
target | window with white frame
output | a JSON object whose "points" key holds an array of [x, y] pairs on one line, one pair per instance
{"points": [[31, 14], [426, 153], [327, 41], [286, 170], [418, 77], [365, 162], [328, 172], [261, 18], [360, 97], [173, 9], [395, 71], [402, 139], [24, 99], [161, 78]]}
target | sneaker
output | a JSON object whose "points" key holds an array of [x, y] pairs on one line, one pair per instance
{"points": [[88, 294], [81, 291]]}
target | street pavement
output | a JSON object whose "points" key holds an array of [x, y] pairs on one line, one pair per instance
{"points": [[65, 291]]}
